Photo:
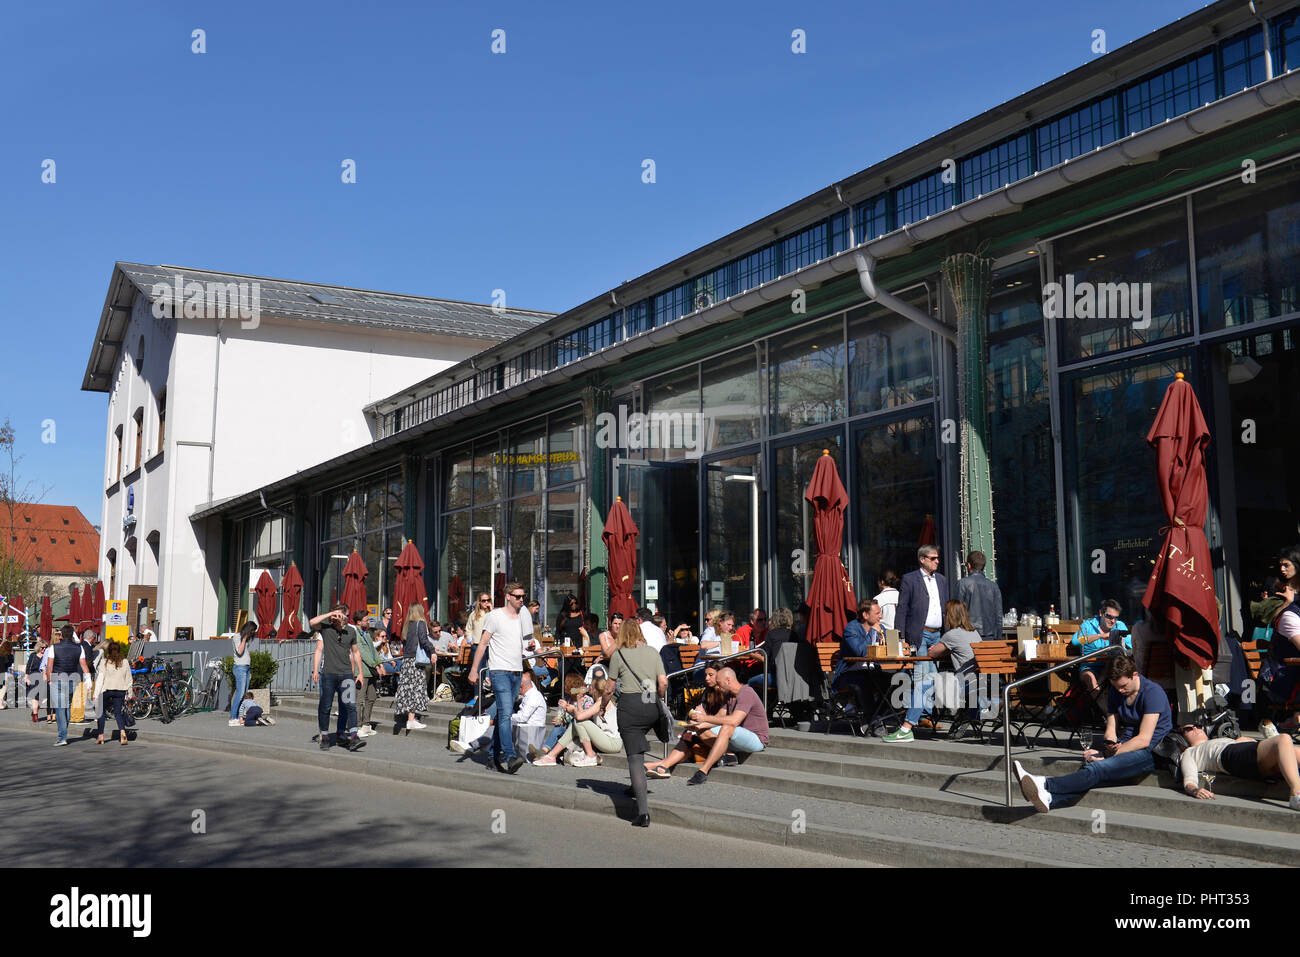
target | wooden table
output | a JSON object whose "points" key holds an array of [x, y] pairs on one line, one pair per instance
{"points": [[1056, 684], [894, 662]]}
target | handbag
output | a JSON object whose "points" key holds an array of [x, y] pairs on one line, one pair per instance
{"points": [[472, 727], [421, 656], [665, 722]]}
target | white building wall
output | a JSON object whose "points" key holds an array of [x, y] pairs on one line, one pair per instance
{"points": [[244, 407]]}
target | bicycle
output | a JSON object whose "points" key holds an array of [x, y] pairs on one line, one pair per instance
{"points": [[206, 699]]}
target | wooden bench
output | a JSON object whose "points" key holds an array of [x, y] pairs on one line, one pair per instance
{"points": [[1065, 630], [991, 658]]}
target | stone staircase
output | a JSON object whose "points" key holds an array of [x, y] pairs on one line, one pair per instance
{"points": [[965, 782]]}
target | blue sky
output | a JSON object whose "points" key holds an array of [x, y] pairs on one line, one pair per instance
{"points": [[475, 171]]}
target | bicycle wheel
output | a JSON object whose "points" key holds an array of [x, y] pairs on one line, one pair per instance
{"points": [[139, 703], [182, 698]]}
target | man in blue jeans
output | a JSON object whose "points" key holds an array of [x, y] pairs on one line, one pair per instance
{"points": [[336, 643], [921, 599], [503, 634], [65, 666], [1139, 710]]}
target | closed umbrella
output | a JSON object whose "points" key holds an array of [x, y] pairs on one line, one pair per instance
{"points": [[928, 535], [619, 536], [1181, 589], [97, 609], [265, 606], [354, 583], [831, 596], [46, 628], [455, 598], [74, 608], [290, 623], [408, 589]]}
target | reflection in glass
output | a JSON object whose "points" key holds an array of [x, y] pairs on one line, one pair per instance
{"points": [[1099, 270], [796, 544], [455, 575], [889, 358], [1248, 249], [460, 478], [807, 376], [372, 553], [1111, 482], [568, 447], [489, 472], [487, 553], [672, 406], [897, 470], [732, 498], [564, 549], [527, 458], [526, 544], [1021, 467], [731, 399]]}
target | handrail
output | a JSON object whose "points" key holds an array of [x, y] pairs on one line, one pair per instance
{"points": [[1107, 652], [556, 652], [703, 662]]}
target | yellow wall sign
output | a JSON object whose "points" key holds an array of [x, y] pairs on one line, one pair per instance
{"points": [[116, 626]]}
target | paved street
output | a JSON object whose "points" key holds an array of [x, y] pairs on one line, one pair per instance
{"points": [[267, 813]]}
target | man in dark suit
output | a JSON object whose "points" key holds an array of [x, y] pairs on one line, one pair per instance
{"points": [[921, 598]]}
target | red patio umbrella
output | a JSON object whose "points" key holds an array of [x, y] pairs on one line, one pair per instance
{"points": [[45, 630], [15, 609], [831, 596], [97, 609], [1181, 588], [290, 623], [455, 598], [354, 583], [928, 535], [265, 607], [408, 589], [74, 608], [619, 537]]}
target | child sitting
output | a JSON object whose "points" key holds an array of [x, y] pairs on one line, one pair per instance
{"points": [[251, 713]]}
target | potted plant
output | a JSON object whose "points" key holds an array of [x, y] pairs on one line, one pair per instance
{"points": [[262, 668]]}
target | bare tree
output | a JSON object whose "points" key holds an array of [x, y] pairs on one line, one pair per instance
{"points": [[19, 572]]}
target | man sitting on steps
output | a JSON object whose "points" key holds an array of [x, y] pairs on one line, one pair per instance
{"points": [[1139, 711], [742, 726]]}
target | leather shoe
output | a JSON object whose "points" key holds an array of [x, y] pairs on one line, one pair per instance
{"points": [[642, 820], [514, 765]]}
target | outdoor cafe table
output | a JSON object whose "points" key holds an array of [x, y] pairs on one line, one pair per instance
{"points": [[888, 664]]}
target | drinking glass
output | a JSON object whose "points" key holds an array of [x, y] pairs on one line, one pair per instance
{"points": [[1085, 739]]}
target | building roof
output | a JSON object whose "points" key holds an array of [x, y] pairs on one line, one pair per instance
{"points": [[301, 301], [51, 539], [1144, 55]]}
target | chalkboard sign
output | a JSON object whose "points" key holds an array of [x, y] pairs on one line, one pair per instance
{"points": [[184, 634]]}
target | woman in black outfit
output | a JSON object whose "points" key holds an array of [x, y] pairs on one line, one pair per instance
{"points": [[7, 662], [639, 673], [570, 623]]}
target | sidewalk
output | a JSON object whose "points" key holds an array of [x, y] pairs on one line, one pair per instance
{"points": [[878, 834]]}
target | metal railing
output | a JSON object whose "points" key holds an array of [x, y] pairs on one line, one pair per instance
{"points": [[1107, 652], [715, 660], [294, 658], [556, 652]]}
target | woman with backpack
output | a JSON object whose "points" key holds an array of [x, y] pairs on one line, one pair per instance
{"points": [[413, 684]]}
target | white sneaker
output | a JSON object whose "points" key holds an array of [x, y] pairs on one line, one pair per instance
{"points": [[583, 761], [457, 747], [1269, 729], [1034, 788], [234, 723], [415, 724], [1294, 803]]}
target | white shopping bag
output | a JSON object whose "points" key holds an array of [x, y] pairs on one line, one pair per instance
{"points": [[473, 727], [947, 691]]}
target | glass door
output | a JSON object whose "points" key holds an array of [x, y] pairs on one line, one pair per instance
{"points": [[796, 544], [663, 498], [733, 506]]}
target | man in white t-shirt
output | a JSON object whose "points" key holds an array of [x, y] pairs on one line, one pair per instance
{"points": [[504, 631], [653, 634]]}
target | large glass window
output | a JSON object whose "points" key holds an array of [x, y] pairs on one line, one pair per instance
{"points": [[871, 218], [806, 375], [896, 497], [796, 543], [1248, 248], [889, 358], [1021, 464], [734, 544], [1243, 60], [1123, 284], [366, 516], [804, 248], [757, 268], [1077, 132], [527, 457], [1114, 504], [1172, 92], [670, 427], [924, 197], [732, 401], [995, 167]]}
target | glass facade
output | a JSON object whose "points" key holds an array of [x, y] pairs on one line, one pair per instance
{"points": [[806, 370], [514, 510], [888, 358], [366, 515]]}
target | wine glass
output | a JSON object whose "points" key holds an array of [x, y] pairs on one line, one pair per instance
{"points": [[1085, 739]]}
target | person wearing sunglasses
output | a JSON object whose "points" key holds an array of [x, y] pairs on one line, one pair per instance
{"points": [[502, 637], [1243, 758], [1095, 634], [474, 623]]}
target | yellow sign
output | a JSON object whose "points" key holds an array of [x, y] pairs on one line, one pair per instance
{"points": [[116, 626]]}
